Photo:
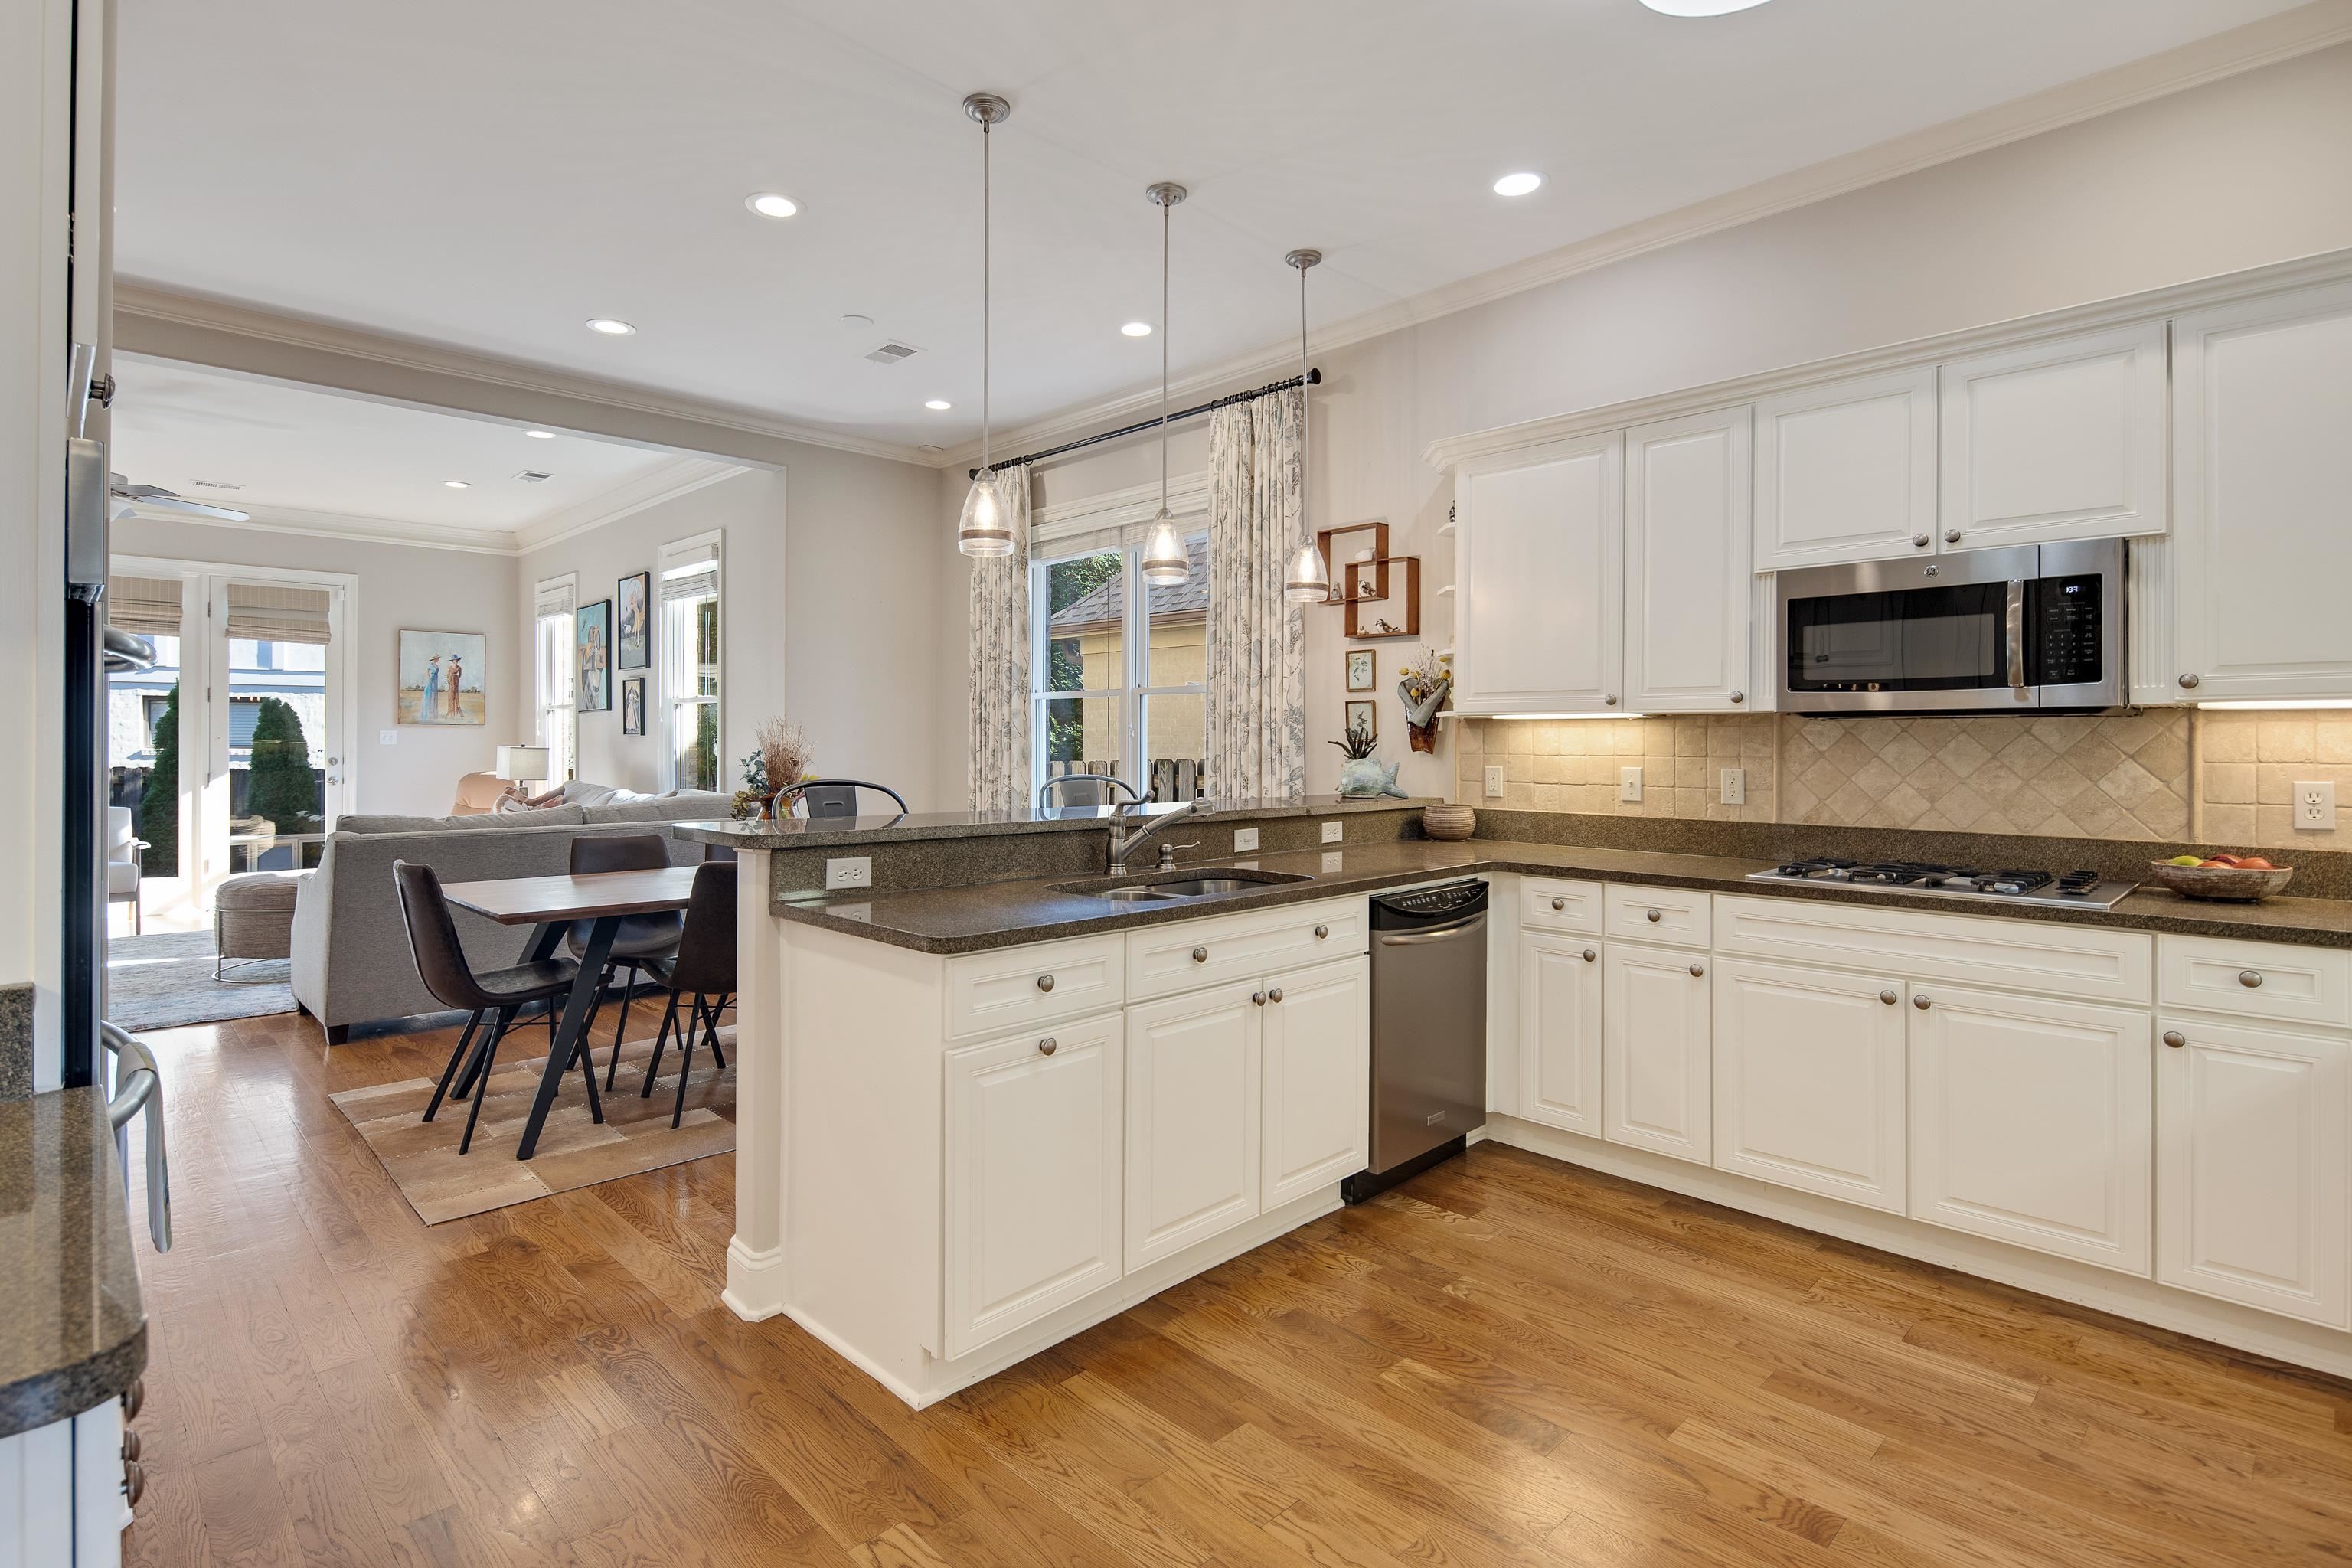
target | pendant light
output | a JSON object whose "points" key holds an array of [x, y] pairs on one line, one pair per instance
{"points": [[1309, 578], [983, 528], [1165, 564]]}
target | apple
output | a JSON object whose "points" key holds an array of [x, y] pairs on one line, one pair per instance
{"points": [[2222, 861], [2255, 863]]}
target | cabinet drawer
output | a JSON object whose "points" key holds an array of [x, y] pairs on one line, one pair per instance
{"points": [[1680, 916], [1183, 955], [2255, 979], [1548, 903], [1969, 949], [1015, 987]]}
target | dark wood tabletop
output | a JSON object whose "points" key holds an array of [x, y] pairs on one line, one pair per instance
{"points": [[529, 901]]}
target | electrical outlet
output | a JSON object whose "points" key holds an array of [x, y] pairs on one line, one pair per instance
{"points": [[1244, 840], [855, 871], [1331, 831], [1629, 785], [1734, 786], [1331, 859], [1494, 783], [387, 737], [2315, 805]]}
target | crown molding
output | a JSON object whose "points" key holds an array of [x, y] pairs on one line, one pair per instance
{"points": [[2305, 30], [651, 489], [348, 526], [154, 320]]}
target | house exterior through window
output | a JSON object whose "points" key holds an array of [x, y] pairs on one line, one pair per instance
{"points": [[690, 585], [552, 602], [1119, 666]]}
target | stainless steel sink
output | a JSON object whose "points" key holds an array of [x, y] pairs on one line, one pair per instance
{"points": [[1131, 895], [1198, 886], [1169, 886]]}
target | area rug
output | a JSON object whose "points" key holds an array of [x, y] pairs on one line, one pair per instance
{"points": [[164, 980], [440, 1184]]}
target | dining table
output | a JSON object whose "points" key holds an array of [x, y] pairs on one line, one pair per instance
{"points": [[551, 905]]}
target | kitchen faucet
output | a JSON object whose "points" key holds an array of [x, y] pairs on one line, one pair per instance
{"points": [[1125, 841]]}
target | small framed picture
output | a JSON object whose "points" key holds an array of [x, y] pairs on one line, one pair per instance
{"points": [[592, 692], [1363, 669], [634, 642], [633, 705], [1364, 716]]}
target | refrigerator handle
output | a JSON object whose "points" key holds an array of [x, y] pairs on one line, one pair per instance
{"points": [[86, 487]]}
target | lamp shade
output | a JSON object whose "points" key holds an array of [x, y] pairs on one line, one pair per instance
{"points": [[1309, 582], [520, 762], [1165, 562], [984, 530]]}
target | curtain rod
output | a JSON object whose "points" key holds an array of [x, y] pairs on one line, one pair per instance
{"points": [[1312, 378]]}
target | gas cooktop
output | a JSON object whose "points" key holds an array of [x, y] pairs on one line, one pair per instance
{"points": [[2062, 890]]}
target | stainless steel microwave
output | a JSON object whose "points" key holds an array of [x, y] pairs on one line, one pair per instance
{"points": [[2032, 629]]}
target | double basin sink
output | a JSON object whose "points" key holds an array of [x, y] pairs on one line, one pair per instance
{"points": [[1176, 887]]}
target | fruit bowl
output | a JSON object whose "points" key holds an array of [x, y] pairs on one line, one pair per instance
{"points": [[2225, 884]]}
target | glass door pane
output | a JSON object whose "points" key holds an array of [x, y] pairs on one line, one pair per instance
{"points": [[142, 755], [277, 738]]}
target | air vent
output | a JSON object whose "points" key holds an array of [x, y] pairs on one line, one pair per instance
{"points": [[533, 477], [892, 353], [215, 485]]}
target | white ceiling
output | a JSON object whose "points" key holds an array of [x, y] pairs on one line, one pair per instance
{"points": [[489, 176], [303, 454]]}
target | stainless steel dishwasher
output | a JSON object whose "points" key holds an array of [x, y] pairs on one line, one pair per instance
{"points": [[1429, 1031]]}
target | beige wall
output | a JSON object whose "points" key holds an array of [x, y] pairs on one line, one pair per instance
{"points": [[2233, 174]]}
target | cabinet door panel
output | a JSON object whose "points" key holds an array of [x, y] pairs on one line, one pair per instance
{"points": [[1192, 1133], [2251, 1129], [1846, 471], [1318, 1046], [1689, 487], [1559, 1031], [1809, 1080], [1033, 1164], [1656, 1069], [2031, 1123], [1540, 545]]}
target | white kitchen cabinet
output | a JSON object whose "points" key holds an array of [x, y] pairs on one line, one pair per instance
{"points": [[2261, 495], [2030, 1123], [61, 1492], [2056, 440], [1559, 1031], [1318, 1053], [1689, 486], [2251, 1196], [1033, 1142], [1655, 1056], [1809, 1080], [1192, 1117], [1539, 571], [1846, 471]]}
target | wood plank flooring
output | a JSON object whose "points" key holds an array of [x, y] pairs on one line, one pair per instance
{"points": [[1507, 1362]]}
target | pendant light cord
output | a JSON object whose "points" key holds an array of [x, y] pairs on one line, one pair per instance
{"points": [[1304, 423], [1164, 358], [986, 201]]}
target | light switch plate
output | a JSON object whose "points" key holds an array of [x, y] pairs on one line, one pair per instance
{"points": [[387, 737], [1244, 840], [849, 871], [1629, 785], [2315, 805], [1331, 832], [1734, 786], [1494, 783]]}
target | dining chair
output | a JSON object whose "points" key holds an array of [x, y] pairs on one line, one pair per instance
{"points": [[641, 937], [830, 798], [1086, 789], [496, 993], [703, 968]]}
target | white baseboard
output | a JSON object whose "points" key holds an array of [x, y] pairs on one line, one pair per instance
{"points": [[755, 1281]]}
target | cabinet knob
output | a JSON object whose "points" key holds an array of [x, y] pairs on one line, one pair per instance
{"points": [[1655, 916], [1322, 931], [130, 1445], [1889, 997], [133, 1397], [1590, 956], [1559, 904], [134, 1483], [1274, 994], [1045, 983], [1610, 700], [1698, 970], [2175, 1039], [1951, 536], [1739, 697], [2187, 682], [1258, 998], [1047, 1046], [1200, 955], [1923, 1002], [2249, 978], [1920, 542]]}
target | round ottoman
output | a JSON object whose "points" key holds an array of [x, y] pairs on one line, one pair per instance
{"points": [[252, 917]]}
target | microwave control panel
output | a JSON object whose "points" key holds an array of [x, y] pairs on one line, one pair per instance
{"points": [[2067, 631]]}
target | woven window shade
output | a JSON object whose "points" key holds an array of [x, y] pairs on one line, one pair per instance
{"points": [[278, 612], [147, 606]]}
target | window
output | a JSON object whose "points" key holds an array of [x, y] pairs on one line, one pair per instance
{"points": [[690, 661], [552, 674], [1119, 667]]}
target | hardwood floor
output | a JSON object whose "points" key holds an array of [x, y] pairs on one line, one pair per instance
{"points": [[1505, 1362]]}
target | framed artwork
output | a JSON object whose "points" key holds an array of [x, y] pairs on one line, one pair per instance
{"points": [[592, 643], [1363, 669], [442, 677], [633, 599], [1364, 716], [633, 705]]}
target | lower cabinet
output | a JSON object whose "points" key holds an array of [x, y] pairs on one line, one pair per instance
{"points": [[1559, 1031], [1318, 1053], [1809, 1080], [1192, 1127], [2251, 1136], [2030, 1123], [1656, 1060], [1035, 1139]]}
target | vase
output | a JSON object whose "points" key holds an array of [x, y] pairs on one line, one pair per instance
{"points": [[1448, 821]]}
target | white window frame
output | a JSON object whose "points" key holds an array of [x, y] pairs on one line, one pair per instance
{"points": [[679, 557], [553, 599]]}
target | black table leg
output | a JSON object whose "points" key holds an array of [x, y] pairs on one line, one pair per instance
{"points": [[568, 1034]]}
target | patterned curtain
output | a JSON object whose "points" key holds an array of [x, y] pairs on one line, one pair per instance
{"points": [[1257, 720], [998, 685]]}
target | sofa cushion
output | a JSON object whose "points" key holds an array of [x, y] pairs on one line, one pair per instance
{"points": [[498, 821], [662, 809]]}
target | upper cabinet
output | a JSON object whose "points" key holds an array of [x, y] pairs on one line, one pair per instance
{"points": [[1689, 590], [1539, 548], [2262, 487], [2056, 440], [1846, 471]]}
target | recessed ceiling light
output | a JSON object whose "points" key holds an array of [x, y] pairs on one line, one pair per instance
{"points": [[610, 326], [458, 484], [1136, 328], [938, 405], [1517, 184], [1700, 8], [540, 434], [853, 320], [767, 203]]}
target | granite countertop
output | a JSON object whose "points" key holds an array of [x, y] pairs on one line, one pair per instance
{"points": [[73, 1332], [804, 832], [976, 918]]}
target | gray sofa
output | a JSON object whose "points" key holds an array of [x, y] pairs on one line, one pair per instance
{"points": [[351, 960]]}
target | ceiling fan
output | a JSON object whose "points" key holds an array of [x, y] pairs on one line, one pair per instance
{"points": [[154, 498]]}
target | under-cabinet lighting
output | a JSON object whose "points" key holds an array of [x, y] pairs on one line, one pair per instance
{"points": [[2282, 707], [1514, 717]]}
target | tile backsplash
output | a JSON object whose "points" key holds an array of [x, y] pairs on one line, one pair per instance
{"points": [[2162, 775]]}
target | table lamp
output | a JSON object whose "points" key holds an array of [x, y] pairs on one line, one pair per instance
{"points": [[522, 764]]}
